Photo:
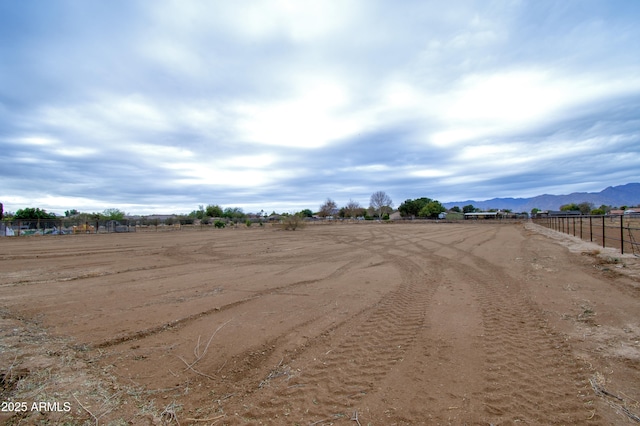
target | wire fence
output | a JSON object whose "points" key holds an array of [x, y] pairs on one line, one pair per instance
{"points": [[616, 231], [72, 226], [19, 228]]}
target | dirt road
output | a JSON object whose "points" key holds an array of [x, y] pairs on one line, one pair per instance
{"points": [[379, 324]]}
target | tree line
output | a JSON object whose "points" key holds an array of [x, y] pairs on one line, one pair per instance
{"points": [[380, 207]]}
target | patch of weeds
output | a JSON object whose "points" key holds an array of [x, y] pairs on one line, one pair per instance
{"points": [[602, 262], [279, 371], [146, 407], [587, 315], [10, 379]]}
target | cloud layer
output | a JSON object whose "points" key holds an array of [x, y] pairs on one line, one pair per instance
{"points": [[278, 105]]}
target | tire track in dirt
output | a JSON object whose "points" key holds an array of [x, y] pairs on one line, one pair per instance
{"points": [[184, 321], [512, 338], [89, 275], [518, 344], [327, 379]]}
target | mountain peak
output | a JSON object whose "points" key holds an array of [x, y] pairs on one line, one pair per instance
{"points": [[615, 196]]}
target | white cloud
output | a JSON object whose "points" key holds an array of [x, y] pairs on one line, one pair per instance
{"points": [[274, 99], [313, 117], [37, 140], [488, 105]]}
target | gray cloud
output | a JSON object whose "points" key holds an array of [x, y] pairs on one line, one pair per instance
{"points": [[277, 106]]}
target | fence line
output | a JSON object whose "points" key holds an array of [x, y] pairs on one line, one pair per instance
{"points": [[64, 227], [616, 231]]}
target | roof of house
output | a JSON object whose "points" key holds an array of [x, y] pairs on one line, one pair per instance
{"points": [[482, 214]]}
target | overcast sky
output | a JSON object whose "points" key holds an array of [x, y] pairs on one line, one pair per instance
{"points": [[161, 106]]}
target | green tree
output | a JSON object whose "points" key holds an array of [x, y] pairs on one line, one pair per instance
{"points": [[413, 207], [71, 212], [569, 207], [233, 213], [31, 213], [199, 214], [468, 209], [213, 211], [113, 214], [456, 209], [431, 209], [307, 213]]}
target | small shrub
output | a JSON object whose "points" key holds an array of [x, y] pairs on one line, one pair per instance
{"points": [[219, 224], [247, 222], [293, 222]]}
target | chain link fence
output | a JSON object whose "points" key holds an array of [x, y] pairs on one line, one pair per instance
{"points": [[67, 226]]}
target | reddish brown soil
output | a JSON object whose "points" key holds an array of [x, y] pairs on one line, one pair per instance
{"points": [[380, 324]]}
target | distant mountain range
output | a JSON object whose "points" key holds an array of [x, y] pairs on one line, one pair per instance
{"points": [[615, 196]]}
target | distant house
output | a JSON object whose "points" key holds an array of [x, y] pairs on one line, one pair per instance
{"points": [[481, 215], [160, 217]]}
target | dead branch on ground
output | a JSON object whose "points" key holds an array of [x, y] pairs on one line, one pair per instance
{"points": [[597, 383], [355, 417], [170, 413], [198, 355], [97, 418]]}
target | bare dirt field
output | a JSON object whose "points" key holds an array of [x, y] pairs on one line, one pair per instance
{"points": [[362, 324]]}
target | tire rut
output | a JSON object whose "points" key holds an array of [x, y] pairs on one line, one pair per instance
{"points": [[355, 357], [516, 341], [184, 321]]}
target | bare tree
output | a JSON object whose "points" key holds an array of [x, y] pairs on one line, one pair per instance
{"points": [[381, 203], [328, 208], [352, 208]]}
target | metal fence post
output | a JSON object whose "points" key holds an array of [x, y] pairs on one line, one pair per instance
{"points": [[603, 232], [581, 227], [621, 235], [590, 228]]}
